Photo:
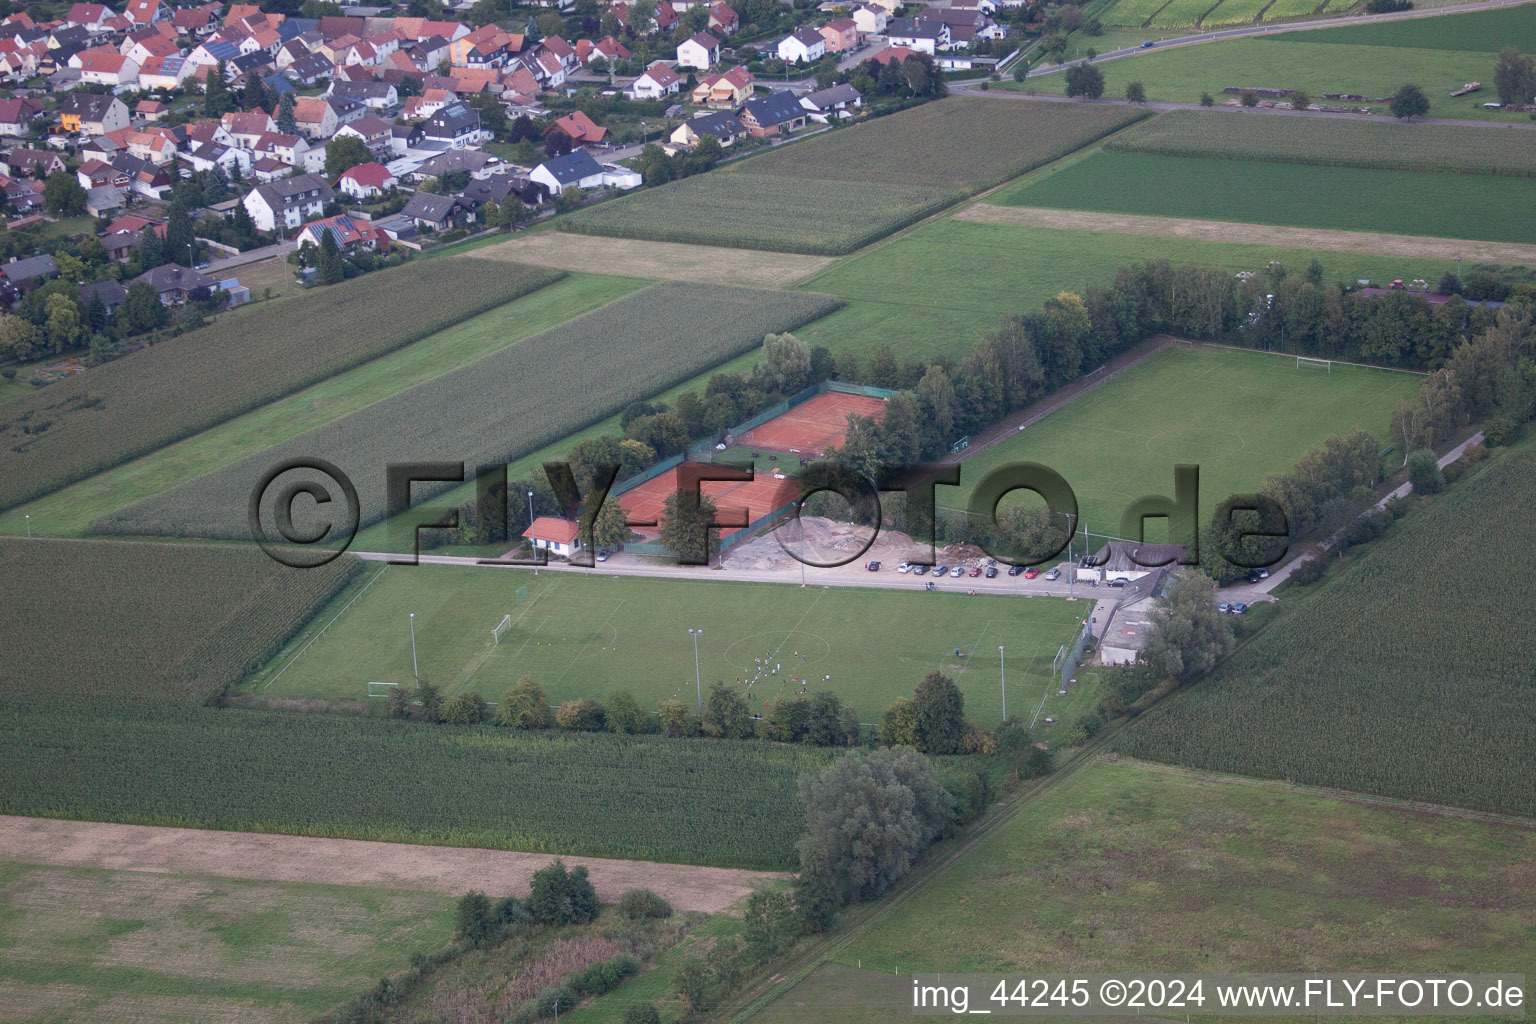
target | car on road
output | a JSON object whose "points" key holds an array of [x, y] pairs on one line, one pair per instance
{"points": [[1239, 608], [920, 570], [957, 571], [991, 572], [873, 567], [1257, 575], [1014, 570], [1118, 581], [1149, 44], [1031, 572], [1054, 574]]}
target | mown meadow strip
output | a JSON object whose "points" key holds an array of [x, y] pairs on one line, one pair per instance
{"points": [[158, 395]]}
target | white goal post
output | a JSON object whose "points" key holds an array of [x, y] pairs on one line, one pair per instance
{"points": [[501, 627], [1307, 361], [381, 689]]}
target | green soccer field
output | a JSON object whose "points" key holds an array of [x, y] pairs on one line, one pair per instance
{"points": [[583, 635], [1238, 415]]}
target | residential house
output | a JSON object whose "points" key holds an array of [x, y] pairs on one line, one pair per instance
{"points": [[103, 65], [487, 46], [111, 294], [548, 70], [288, 202], [840, 34], [556, 536], [773, 114], [580, 129], [839, 101], [870, 20], [608, 48], [157, 146], [723, 20], [103, 201], [898, 54], [456, 125], [922, 36], [658, 80], [315, 117], [246, 126], [195, 22], [724, 126], [205, 156], [966, 26], [166, 73], [92, 114], [26, 163], [146, 12], [802, 46], [29, 273], [700, 51], [292, 150], [562, 50], [366, 180], [311, 69], [16, 116], [150, 110], [213, 52], [143, 46], [433, 211], [373, 95], [176, 284], [890, 7], [92, 17], [374, 131], [355, 234], [97, 173], [579, 170], [726, 91]]}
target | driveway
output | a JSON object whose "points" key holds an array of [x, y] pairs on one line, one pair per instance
{"points": [[253, 256]]}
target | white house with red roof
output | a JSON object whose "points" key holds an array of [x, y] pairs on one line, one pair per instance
{"points": [[91, 17], [656, 81], [366, 180], [350, 233], [557, 536], [723, 19], [103, 65], [146, 12], [700, 51]]}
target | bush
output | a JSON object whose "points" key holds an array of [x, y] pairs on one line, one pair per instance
{"points": [[581, 715], [1249, 98], [1453, 472], [1310, 571], [1424, 473], [643, 905], [1367, 528], [1499, 431], [558, 896], [1473, 453], [640, 1013], [465, 709]]}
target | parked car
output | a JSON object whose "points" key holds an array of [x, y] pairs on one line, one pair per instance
{"points": [[991, 572], [602, 556], [1224, 607], [1014, 570], [1031, 572], [1119, 581], [957, 571], [975, 571], [904, 567], [1239, 609], [873, 567], [1054, 574], [920, 570]]}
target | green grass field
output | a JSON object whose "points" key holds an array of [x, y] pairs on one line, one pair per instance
{"points": [[1439, 54], [1338, 198], [584, 635], [79, 944], [1241, 416], [69, 511], [1132, 867]]}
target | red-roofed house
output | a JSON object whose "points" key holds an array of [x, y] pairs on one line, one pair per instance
{"points": [[150, 110], [146, 12], [579, 128], [152, 44], [557, 536], [841, 34], [700, 50], [724, 92], [366, 180], [105, 66], [657, 81], [899, 54], [16, 116], [723, 19], [193, 21], [350, 233]]}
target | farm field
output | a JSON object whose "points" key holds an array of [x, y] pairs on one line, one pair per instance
{"points": [[1135, 867], [583, 635], [1295, 60], [159, 395], [1131, 12], [86, 944], [504, 405], [1333, 142], [1375, 683], [1234, 12], [77, 622], [940, 287], [1179, 13], [756, 268], [1244, 416], [1339, 198], [69, 512], [844, 188], [1476, 31], [727, 803]]}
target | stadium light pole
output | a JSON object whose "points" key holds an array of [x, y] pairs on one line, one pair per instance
{"points": [[1002, 675], [415, 668], [697, 681], [29, 527]]}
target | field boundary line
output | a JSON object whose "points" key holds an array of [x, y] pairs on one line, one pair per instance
{"points": [[1293, 355], [327, 626], [579, 654]]}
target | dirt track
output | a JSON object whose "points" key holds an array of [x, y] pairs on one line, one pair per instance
{"points": [[1407, 246], [667, 261], [281, 858]]}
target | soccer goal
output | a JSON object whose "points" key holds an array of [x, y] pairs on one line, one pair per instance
{"points": [[381, 689], [501, 627], [1306, 363]]}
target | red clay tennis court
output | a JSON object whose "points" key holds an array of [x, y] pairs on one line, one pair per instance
{"points": [[758, 497], [814, 425]]}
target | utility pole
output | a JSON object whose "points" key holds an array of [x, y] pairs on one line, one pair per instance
{"points": [[29, 527], [415, 668], [1002, 675], [697, 681]]}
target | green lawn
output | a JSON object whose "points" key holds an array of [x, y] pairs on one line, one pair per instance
{"points": [[1130, 867], [584, 635], [79, 944], [69, 511], [1240, 417], [1439, 54], [1339, 198]]}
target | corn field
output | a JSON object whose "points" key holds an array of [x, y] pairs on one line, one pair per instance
{"points": [[161, 394], [1335, 142], [690, 801], [175, 621], [1412, 674], [503, 406]]}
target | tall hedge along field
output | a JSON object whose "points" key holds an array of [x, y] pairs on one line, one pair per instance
{"points": [[161, 394], [1334, 142], [174, 622], [1409, 675], [503, 406], [843, 189]]}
